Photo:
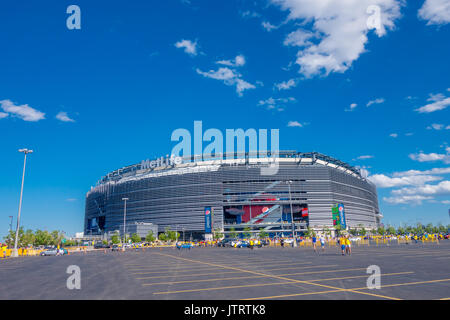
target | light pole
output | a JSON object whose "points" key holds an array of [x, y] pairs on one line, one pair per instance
{"points": [[25, 151], [124, 220], [292, 214], [10, 224]]}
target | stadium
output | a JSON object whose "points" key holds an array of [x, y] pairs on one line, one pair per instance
{"points": [[198, 195]]}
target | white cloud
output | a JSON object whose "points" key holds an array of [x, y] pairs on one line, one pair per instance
{"points": [[3, 115], [364, 157], [237, 62], [407, 199], [278, 104], [435, 12], [298, 38], [442, 188], [229, 77], [341, 29], [352, 107], [383, 181], [376, 101], [425, 172], [268, 26], [294, 124], [62, 116], [189, 46], [438, 102], [286, 85], [415, 183], [435, 126], [250, 14], [24, 112], [393, 135], [427, 157]]}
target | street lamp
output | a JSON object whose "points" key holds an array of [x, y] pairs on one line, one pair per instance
{"points": [[10, 224], [25, 151], [124, 220], [289, 182]]}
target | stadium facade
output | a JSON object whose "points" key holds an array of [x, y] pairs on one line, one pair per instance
{"points": [[176, 195]]}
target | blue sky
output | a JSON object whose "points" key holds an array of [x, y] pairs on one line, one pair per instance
{"points": [[373, 93]]}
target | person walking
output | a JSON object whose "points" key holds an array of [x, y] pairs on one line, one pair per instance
{"points": [[348, 246], [342, 243], [314, 240], [322, 242]]}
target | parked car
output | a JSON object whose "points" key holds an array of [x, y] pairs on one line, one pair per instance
{"points": [[242, 244], [186, 245], [115, 247], [49, 252], [225, 243], [101, 246]]}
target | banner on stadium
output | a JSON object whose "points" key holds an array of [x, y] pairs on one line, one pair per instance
{"points": [[342, 215], [208, 220]]}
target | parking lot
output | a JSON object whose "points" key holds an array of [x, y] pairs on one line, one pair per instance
{"points": [[414, 271]]}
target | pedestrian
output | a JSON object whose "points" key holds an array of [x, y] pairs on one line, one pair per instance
{"points": [[282, 242], [322, 242], [348, 246], [314, 240], [342, 243]]}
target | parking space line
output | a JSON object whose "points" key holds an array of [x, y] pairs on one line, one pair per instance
{"points": [[261, 284], [246, 277], [352, 290], [210, 268], [284, 278], [239, 265]]}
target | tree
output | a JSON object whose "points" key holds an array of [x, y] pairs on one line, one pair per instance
{"points": [[171, 235], [217, 234], [337, 228], [262, 233], [162, 237], [115, 238], [246, 233], [135, 238], [381, 231], [150, 237], [390, 230], [233, 234], [363, 231], [43, 238], [429, 228]]}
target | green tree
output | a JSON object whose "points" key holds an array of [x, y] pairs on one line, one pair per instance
{"points": [[390, 230], [115, 239], [217, 234], [43, 238], [262, 233], [150, 237], [135, 238], [337, 228], [246, 233], [233, 234], [162, 237], [429, 228], [381, 231]]}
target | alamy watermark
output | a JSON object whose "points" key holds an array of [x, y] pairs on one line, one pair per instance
{"points": [[374, 280], [74, 20], [234, 141], [74, 280]]}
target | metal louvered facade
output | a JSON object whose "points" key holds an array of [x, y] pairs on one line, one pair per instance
{"points": [[176, 196]]}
